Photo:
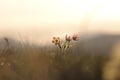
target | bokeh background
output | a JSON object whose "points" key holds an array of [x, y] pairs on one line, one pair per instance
{"points": [[27, 28], [39, 20]]}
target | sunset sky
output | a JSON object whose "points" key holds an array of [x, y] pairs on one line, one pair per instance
{"points": [[39, 20]]}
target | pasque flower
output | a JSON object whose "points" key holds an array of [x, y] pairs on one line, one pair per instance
{"points": [[68, 38], [75, 37], [67, 43], [56, 40]]}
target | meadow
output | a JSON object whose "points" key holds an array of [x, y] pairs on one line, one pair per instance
{"points": [[26, 61]]}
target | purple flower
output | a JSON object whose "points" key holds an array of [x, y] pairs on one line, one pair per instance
{"points": [[75, 37], [68, 38]]}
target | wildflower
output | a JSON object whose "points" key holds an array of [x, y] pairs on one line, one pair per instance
{"points": [[75, 37], [67, 43], [68, 38], [56, 40]]}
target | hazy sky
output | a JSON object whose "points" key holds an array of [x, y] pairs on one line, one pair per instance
{"points": [[39, 20]]}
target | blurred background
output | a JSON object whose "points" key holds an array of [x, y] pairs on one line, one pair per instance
{"points": [[27, 28], [38, 20]]}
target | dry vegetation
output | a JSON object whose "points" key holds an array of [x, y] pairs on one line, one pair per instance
{"points": [[28, 62]]}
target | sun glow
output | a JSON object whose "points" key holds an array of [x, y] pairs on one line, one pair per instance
{"points": [[42, 17]]}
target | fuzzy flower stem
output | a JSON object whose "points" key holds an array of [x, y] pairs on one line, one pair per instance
{"points": [[64, 45], [59, 45]]}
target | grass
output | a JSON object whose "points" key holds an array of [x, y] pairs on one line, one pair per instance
{"points": [[28, 62]]}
